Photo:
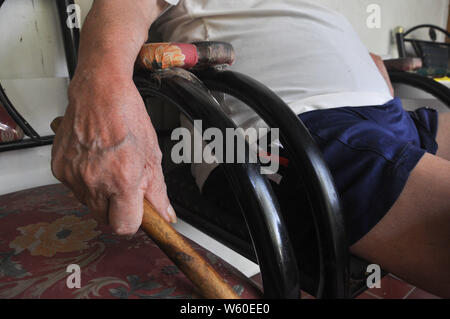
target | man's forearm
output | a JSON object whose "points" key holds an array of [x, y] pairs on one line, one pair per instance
{"points": [[106, 150], [383, 71], [113, 34]]}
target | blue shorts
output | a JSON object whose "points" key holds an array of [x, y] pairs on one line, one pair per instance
{"points": [[371, 152]]}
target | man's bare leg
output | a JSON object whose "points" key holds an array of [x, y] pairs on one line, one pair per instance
{"points": [[413, 240], [443, 136]]}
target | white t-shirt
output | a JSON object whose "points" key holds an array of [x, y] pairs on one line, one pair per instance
{"points": [[307, 54]]}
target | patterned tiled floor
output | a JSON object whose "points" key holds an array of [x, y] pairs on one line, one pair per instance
{"points": [[391, 288], [394, 288]]}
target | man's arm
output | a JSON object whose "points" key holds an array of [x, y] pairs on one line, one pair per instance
{"points": [[113, 34], [382, 68], [106, 149]]}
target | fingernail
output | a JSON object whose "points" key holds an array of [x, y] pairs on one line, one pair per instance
{"points": [[172, 215]]}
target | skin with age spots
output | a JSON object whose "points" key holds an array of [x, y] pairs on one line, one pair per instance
{"points": [[109, 169], [106, 150]]}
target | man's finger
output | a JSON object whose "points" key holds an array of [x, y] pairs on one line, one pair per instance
{"points": [[98, 207], [69, 179], [125, 212], [156, 194]]}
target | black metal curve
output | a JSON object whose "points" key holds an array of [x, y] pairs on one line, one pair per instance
{"points": [[431, 26], [71, 42], [71, 36], [27, 143], [400, 40], [9, 107], [259, 206], [436, 89], [15, 115], [310, 166]]}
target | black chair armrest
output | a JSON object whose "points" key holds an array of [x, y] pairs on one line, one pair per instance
{"points": [[436, 89]]}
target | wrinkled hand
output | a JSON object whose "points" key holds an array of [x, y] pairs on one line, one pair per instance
{"points": [[106, 151]]}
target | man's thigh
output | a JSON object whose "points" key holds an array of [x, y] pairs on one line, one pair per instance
{"points": [[412, 241], [443, 136]]}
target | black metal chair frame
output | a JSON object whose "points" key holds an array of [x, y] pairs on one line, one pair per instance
{"points": [[71, 41], [309, 167], [259, 205], [402, 40]]}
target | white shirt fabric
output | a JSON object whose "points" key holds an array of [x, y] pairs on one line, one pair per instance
{"points": [[307, 54]]}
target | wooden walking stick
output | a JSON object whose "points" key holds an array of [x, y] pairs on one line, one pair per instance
{"points": [[207, 280]]}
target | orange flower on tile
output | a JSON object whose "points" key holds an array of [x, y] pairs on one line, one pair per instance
{"points": [[65, 234], [162, 55]]}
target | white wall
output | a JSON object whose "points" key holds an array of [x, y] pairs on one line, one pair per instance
{"points": [[34, 48], [406, 13], [34, 75]]}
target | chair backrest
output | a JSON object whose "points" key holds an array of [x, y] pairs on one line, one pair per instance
{"points": [[435, 55]]}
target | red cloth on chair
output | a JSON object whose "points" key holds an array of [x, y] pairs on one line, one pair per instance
{"points": [[44, 230]]}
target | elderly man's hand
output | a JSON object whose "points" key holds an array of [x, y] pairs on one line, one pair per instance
{"points": [[107, 152]]}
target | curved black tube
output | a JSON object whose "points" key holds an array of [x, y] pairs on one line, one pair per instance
{"points": [[309, 165], [400, 40], [36, 139], [16, 116], [259, 205], [71, 40], [432, 26], [436, 89], [27, 143]]}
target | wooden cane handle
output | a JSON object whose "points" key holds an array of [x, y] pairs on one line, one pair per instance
{"points": [[208, 281]]}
